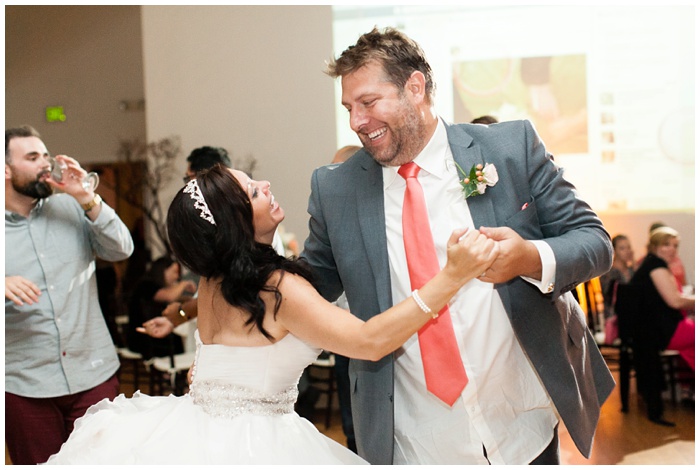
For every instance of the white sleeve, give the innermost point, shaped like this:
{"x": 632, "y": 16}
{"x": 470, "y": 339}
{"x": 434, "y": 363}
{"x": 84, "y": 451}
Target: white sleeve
{"x": 549, "y": 267}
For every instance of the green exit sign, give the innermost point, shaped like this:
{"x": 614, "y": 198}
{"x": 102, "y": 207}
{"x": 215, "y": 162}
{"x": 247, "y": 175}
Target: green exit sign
{"x": 55, "y": 113}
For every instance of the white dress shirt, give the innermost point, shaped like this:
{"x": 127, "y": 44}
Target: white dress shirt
{"x": 504, "y": 408}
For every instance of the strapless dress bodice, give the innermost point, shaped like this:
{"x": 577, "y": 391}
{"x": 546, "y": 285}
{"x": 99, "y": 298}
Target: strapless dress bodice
{"x": 232, "y": 380}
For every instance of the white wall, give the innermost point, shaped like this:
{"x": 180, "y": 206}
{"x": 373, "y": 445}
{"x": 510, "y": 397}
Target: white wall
{"x": 249, "y": 79}
{"x": 84, "y": 58}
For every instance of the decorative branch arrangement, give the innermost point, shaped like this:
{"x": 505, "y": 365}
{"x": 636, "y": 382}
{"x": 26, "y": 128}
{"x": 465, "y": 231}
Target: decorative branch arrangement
{"x": 143, "y": 189}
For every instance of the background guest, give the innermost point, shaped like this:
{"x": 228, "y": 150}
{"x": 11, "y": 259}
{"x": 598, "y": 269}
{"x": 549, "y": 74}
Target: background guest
{"x": 59, "y": 356}
{"x": 158, "y": 287}
{"x": 138, "y": 262}
{"x": 344, "y": 153}
{"x": 485, "y": 119}
{"x": 660, "y": 307}
{"x": 621, "y": 271}
{"x": 203, "y": 158}
{"x": 675, "y": 265}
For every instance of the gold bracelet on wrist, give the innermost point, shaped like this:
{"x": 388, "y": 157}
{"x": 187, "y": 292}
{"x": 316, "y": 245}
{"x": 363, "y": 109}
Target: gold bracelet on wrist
{"x": 95, "y": 201}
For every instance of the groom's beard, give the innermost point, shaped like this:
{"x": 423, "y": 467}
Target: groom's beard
{"x": 35, "y": 189}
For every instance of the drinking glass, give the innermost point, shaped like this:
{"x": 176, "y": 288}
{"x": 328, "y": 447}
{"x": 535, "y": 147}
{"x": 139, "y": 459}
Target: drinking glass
{"x": 90, "y": 181}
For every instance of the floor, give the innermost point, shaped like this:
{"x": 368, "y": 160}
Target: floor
{"x": 621, "y": 438}
{"x": 631, "y": 439}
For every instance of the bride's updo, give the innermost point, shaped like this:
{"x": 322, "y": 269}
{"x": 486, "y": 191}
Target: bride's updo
{"x": 211, "y": 232}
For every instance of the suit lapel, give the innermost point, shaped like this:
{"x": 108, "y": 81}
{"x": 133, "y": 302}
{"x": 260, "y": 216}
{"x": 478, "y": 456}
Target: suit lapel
{"x": 370, "y": 198}
{"x": 466, "y": 153}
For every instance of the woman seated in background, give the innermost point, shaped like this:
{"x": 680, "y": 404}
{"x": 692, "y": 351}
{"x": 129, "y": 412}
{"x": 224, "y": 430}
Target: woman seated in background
{"x": 620, "y": 273}
{"x": 675, "y": 265}
{"x": 260, "y": 324}
{"x": 160, "y": 286}
{"x": 661, "y": 304}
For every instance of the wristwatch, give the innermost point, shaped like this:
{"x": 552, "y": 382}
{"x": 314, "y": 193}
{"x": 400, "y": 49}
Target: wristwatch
{"x": 95, "y": 201}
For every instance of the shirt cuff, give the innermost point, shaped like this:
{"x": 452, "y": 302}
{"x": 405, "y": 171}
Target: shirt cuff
{"x": 549, "y": 267}
{"x": 106, "y": 215}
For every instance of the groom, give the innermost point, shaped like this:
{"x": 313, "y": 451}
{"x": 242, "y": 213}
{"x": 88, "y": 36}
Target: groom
{"x": 525, "y": 356}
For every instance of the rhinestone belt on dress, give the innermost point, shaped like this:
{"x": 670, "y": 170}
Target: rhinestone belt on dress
{"x": 229, "y": 401}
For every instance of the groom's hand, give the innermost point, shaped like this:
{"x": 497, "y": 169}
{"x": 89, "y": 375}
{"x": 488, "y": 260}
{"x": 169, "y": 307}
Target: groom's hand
{"x": 516, "y": 257}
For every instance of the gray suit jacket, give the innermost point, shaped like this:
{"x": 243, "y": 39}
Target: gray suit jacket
{"x": 347, "y": 250}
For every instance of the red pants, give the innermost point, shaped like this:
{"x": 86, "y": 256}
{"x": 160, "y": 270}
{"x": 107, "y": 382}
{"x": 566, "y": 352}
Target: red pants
{"x": 683, "y": 341}
{"x": 35, "y": 428}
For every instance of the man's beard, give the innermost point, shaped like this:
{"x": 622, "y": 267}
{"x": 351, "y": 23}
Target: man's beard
{"x": 35, "y": 189}
{"x": 408, "y": 139}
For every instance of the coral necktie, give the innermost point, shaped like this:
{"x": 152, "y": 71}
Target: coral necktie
{"x": 445, "y": 376}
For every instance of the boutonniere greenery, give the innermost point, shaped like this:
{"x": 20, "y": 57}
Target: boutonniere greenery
{"x": 478, "y": 178}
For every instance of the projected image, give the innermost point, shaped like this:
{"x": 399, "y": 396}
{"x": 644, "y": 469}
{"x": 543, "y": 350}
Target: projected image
{"x": 549, "y": 90}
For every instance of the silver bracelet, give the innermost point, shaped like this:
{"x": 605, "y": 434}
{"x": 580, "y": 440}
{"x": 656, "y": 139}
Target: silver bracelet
{"x": 422, "y": 305}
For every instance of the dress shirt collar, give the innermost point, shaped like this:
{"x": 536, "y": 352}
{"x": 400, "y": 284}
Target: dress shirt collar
{"x": 11, "y": 216}
{"x": 430, "y": 159}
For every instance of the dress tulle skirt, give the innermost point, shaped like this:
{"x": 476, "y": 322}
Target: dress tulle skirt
{"x": 173, "y": 430}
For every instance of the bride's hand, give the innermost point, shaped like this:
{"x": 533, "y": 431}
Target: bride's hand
{"x": 469, "y": 255}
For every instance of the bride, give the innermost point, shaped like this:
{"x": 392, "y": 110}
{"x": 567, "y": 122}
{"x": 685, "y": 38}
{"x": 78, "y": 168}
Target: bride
{"x": 260, "y": 324}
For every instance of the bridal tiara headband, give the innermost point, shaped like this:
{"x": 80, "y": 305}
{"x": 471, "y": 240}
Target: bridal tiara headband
{"x": 192, "y": 188}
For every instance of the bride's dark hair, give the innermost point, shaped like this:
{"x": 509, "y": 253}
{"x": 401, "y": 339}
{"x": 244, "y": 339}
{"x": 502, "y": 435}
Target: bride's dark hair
{"x": 227, "y": 250}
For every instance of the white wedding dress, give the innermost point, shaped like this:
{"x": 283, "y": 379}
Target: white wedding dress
{"x": 240, "y": 410}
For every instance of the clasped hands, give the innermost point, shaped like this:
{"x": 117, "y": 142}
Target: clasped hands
{"x": 499, "y": 254}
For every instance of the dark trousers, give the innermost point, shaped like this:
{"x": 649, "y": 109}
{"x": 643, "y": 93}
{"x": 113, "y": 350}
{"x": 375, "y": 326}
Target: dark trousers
{"x": 343, "y": 382}
{"x": 550, "y": 455}
{"x": 35, "y": 428}
{"x": 650, "y": 379}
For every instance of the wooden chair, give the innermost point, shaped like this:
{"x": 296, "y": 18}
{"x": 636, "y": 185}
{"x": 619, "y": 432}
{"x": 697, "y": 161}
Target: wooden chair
{"x": 590, "y": 297}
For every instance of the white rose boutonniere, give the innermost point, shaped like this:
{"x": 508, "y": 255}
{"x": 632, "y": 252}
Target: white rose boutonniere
{"x": 478, "y": 178}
